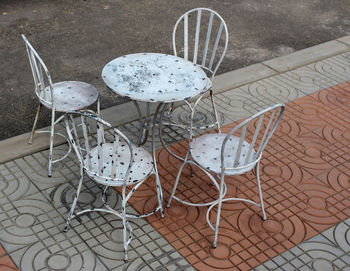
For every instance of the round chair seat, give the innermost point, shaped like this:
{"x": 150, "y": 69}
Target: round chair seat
{"x": 141, "y": 168}
{"x": 206, "y": 151}
{"x": 70, "y": 96}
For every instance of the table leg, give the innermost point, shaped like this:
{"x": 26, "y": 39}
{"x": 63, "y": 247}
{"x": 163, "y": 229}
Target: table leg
{"x": 145, "y": 123}
{"x": 161, "y": 133}
{"x": 155, "y": 168}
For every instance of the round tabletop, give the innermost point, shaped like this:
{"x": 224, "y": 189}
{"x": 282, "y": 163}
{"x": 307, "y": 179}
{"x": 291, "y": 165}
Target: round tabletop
{"x": 152, "y": 77}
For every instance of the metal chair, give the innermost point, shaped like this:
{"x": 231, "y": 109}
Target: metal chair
{"x": 205, "y": 45}
{"x": 234, "y": 153}
{"x": 63, "y": 97}
{"x": 111, "y": 161}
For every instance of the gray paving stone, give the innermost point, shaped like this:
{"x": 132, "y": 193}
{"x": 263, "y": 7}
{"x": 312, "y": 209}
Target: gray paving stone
{"x": 305, "y": 268}
{"x": 306, "y": 56}
{"x": 307, "y": 80}
{"x": 279, "y": 260}
{"x": 337, "y": 67}
{"x": 296, "y": 251}
{"x": 326, "y": 251}
{"x": 345, "y": 39}
{"x": 271, "y": 265}
{"x": 31, "y": 222}
{"x": 261, "y": 268}
{"x": 287, "y": 267}
{"x": 240, "y": 77}
{"x": 296, "y": 263}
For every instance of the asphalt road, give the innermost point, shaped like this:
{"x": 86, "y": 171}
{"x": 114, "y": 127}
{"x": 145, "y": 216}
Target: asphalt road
{"x": 76, "y": 38}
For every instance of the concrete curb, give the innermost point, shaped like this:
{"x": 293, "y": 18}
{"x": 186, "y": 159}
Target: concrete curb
{"x": 16, "y": 147}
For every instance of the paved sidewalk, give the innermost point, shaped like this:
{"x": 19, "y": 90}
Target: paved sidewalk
{"x": 309, "y": 153}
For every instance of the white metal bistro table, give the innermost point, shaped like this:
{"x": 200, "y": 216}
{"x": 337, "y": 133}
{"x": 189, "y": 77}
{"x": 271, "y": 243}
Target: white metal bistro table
{"x": 154, "y": 78}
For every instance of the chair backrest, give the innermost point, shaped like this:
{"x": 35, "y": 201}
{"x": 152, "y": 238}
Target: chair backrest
{"x": 256, "y": 131}
{"x": 85, "y": 138}
{"x": 204, "y": 38}
{"x": 41, "y": 75}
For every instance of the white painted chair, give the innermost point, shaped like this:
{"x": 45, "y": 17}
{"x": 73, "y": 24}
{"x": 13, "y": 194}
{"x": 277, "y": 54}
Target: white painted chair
{"x": 63, "y": 97}
{"x": 234, "y": 153}
{"x": 111, "y": 160}
{"x": 200, "y": 35}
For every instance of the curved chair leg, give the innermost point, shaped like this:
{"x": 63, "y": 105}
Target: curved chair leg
{"x": 51, "y": 141}
{"x": 259, "y": 189}
{"x": 215, "y": 111}
{"x": 71, "y": 212}
{"x": 176, "y": 183}
{"x": 218, "y": 212}
{"x": 34, "y": 124}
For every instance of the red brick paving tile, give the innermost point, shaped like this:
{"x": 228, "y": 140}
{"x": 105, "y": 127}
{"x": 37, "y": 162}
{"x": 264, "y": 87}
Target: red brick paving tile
{"x": 253, "y": 250}
{"x": 194, "y": 247}
{"x": 279, "y": 249}
{"x": 261, "y": 257}
{"x": 201, "y": 254}
{"x": 178, "y": 244}
{"x": 6, "y": 264}
{"x": 243, "y": 266}
{"x": 2, "y": 251}
{"x": 203, "y": 243}
{"x": 253, "y": 262}
{"x": 192, "y": 259}
{"x": 244, "y": 255}
{"x": 346, "y": 211}
{"x": 235, "y": 259}
{"x": 342, "y": 216}
{"x": 185, "y": 251}
{"x": 236, "y": 248}
{"x": 305, "y": 180}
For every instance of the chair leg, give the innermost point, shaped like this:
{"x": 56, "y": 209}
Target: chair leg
{"x": 215, "y": 111}
{"x": 71, "y": 212}
{"x": 98, "y": 107}
{"x": 52, "y": 133}
{"x": 259, "y": 189}
{"x": 34, "y": 124}
{"x": 159, "y": 195}
{"x": 176, "y": 183}
{"x": 221, "y": 192}
{"x": 125, "y": 239}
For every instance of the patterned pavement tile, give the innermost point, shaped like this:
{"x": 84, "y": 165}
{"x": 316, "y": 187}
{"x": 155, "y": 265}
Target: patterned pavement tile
{"x": 272, "y": 90}
{"x": 305, "y": 180}
{"x": 33, "y": 214}
{"x": 302, "y": 196}
{"x": 336, "y": 67}
{"x": 326, "y": 251}
{"x": 307, "y": 80}
{"x": 241, "y": 102}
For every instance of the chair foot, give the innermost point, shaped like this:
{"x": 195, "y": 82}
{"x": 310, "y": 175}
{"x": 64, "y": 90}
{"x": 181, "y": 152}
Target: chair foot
{"x": 162, "y": 213}
{"x": 214, "y": 246}
{"x": 65, "y": 228}
{"x": 49, "y": 171}
{"x": 192, "y": 173}
{"x": 49, "y": 175}
{"x": 125, "y": 256}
